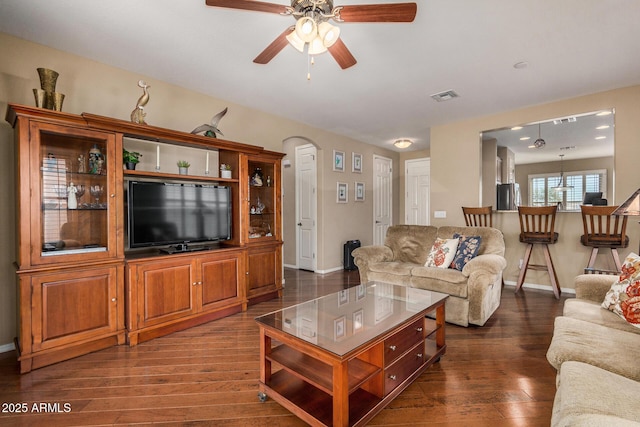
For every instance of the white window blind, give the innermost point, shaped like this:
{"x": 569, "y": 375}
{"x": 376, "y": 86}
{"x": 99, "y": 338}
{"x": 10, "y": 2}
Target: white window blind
{"x": 542, "y": 191}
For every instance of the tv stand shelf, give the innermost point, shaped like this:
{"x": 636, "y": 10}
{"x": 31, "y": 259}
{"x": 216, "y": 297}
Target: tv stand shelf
{"x": 175, "y": 176}
{"x": 132, "y": 295}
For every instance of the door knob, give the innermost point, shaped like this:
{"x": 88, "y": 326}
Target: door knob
{"x": 299, "y": 224}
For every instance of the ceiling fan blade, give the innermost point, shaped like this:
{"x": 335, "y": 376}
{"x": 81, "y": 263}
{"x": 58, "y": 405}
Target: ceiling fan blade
{"x": 342, "y": 55}
{"x": 274, "y": 48}
{"x": 257, "y": 6}
{"x": 389, "y": 12}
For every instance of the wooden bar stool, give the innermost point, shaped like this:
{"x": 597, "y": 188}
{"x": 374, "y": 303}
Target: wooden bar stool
{"x": 536, "y": 228}
{"x": 603, "y": 230}
{"x": 478, "y": 217}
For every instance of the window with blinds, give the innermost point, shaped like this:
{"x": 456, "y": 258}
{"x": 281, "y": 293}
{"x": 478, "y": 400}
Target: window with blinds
{"x": 546, "y": 189}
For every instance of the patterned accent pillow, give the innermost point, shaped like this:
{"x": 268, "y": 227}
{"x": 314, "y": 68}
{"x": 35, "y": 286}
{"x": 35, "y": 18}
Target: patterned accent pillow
{"x": 442, "y": 253}
{"x": 624, "y": 296}
{"x": 467, "y": 250}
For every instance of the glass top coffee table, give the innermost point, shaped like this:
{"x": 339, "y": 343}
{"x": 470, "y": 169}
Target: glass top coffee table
{"x": 339, "y": 359}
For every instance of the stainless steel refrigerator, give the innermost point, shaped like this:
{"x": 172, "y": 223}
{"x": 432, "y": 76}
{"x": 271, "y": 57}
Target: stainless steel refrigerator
{"x": 508, "y": 197}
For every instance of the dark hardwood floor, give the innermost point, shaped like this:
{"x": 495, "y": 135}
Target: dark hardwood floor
{"x": 496, "y": 375}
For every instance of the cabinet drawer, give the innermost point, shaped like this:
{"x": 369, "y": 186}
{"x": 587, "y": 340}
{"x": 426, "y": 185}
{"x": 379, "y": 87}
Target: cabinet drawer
{"x": 396, "y": 345}
{"x": 403, "y": 368}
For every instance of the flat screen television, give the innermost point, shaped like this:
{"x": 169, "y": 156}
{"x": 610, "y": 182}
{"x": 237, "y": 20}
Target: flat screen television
{"x": 162, "y": 214}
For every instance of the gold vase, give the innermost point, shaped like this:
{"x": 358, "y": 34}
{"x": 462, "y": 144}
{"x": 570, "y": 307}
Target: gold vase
{"x": 48, "y": 79}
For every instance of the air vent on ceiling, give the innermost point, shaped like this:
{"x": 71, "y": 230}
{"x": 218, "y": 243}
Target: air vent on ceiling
{"x": 565, "y": 120}
{"x": 444, "y": 96}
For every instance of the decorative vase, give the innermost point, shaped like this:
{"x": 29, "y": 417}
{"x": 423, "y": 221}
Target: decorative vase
{"x": 183, "y": 171}
{"x": 225, "y": 174}
{"x": 48, "y": 79}
{"x": 96, "y": 160}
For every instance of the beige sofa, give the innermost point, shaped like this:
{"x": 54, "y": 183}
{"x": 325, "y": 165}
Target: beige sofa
{"x": 596, "y": 354}
{"x": 474, "y": 292}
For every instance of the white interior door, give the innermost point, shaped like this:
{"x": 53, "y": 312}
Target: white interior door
{"x": 418, "y": 187}
{"x": 382, "y": 198}
{"x": 306, "y": 206}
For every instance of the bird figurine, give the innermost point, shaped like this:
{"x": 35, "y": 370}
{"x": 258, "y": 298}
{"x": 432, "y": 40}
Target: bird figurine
{"x": 138, "y": 114}
{"x": 212, "y": 129}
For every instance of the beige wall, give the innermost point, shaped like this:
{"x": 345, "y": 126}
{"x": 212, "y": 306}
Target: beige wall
{"x": 337, "y": 222}
{"x": 96, "y": 88}
{"x": 450, "y": 190}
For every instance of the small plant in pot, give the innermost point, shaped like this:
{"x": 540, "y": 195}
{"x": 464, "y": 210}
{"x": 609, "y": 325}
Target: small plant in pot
{"x": 183, "y": 167}
{"x": 130, "y": 158}
{"x": 225, "y": 170}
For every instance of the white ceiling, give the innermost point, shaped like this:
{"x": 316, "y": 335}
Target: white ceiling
{"x": 573, "y": 48}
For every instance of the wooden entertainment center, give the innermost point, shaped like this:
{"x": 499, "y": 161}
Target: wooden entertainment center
{"x": 80, "y": 288}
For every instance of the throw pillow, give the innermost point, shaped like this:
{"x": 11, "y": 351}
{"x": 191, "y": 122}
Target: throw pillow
{"x": 630, "y": 267}
{"x": 442, "y": 253}
{"x": 623, "y": 298}
{"x": 467, "y": 250}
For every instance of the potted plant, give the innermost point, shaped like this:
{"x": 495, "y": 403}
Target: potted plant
{"x": 225, "y": 170}
{"x": 183, "y": 167}
{"x": 130, "y": 158}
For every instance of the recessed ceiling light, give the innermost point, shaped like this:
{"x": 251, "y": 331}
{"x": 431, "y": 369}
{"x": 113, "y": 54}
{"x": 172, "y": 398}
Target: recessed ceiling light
{"x": 524, "y": 138}
{"x": 516, "y": 128}
{"x": 601, "y": 137}
{"x": 602, "y": 127}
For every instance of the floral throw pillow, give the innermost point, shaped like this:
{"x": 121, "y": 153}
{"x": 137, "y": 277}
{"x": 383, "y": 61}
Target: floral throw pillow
{"x": 624, "y": 296}
{"x": 442, "y": 253}
{"x": 467, "y": 250}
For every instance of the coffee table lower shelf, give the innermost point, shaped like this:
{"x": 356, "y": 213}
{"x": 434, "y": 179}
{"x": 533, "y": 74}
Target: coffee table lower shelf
{"x": 313, "y": 405}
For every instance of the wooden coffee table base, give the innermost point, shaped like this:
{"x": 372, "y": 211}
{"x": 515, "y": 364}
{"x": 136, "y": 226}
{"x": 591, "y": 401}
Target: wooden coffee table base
{"x": 324, "y": 389}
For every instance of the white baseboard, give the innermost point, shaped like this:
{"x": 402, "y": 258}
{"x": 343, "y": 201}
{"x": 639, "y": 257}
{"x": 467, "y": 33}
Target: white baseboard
{"x": 541, "y": 287}
{"x": 7, "y": 347}
{"x": 330, "y": 270}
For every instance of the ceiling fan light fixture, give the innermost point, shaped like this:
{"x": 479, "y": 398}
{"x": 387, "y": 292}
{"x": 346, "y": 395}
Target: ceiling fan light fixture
{"x": 316, "y": 47}
{"x": 328, "y": 33}
{"x": 295, "y": 41}
{"x": 402, "y": 143}
{"x": 306, "y": 29}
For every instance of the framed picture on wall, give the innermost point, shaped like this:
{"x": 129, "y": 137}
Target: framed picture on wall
{"x": 359, "y": 190}
{"x": 338, "y": 161}
{"x": 341, "y": 192}
{"x": 356, "y": 163}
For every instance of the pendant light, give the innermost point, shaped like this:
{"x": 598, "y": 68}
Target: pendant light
{"x": 561, "y": 186}
{"x": 539, "y": 143}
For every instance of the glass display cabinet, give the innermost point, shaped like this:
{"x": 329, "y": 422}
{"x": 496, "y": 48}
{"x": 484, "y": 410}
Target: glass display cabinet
{"x": 75, "y": 193}
{"x": 264, "y": 230}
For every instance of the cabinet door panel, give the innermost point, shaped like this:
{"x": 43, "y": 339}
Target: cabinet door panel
{"x": 68, "y": 307}
{"x": 219, "y": 280}
{"x": 262, "y": 269}
{"x": 167, "y": 294}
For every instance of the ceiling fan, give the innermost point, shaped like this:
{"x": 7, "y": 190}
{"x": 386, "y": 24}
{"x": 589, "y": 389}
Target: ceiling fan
{"x": 312, "y": 28}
